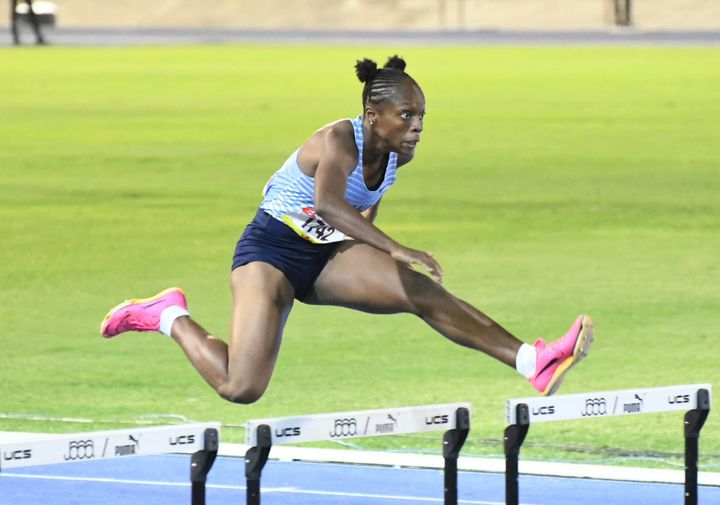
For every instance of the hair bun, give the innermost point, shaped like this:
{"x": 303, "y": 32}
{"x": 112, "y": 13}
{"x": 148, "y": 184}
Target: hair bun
{"x": 366, "y": 70}
{"x": 395, "y": 62}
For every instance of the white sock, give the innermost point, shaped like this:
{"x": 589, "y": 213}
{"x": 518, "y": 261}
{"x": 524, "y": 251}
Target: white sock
{"x": 168, "y": 317}
{"x": 526, "y": 360}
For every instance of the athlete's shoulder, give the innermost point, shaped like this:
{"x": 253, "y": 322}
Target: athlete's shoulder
{"x": 339, "y": 143}
{"x": 334, "y": 143}
{"x": 340, "y": 133}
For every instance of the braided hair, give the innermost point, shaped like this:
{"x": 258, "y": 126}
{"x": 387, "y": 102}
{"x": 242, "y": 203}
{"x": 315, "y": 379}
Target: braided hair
{"x": 381, "y": 84}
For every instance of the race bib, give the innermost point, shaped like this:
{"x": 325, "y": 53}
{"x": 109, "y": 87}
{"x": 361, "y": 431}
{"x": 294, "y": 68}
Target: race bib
{"x": 311, "y": 227}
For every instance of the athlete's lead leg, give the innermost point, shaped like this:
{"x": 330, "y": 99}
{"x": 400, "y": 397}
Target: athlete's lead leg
{"x": 364, "y": 278}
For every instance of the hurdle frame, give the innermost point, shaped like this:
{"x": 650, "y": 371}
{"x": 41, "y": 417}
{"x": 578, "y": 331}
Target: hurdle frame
{"x": 201, "y": 462}
{"x": 261, "y": 433}
{"x": 200, "y": 439}
{"x": 520, "y": 413}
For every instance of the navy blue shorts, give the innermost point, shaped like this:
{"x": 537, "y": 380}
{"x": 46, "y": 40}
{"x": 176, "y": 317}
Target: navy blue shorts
{"x": 268, "y": 240}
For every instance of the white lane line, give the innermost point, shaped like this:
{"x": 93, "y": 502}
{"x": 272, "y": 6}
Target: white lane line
{"x": 288, "y": 490}
{"x": 96, "y": 479}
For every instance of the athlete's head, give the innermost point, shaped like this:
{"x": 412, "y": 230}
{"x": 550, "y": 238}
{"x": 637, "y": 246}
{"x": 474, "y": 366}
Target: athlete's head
{"x": 393, "y": 103}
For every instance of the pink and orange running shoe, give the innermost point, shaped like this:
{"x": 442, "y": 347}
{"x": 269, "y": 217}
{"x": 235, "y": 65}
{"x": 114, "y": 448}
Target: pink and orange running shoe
{"x": 555, "y": 359}
{"x": 141, "y": 314}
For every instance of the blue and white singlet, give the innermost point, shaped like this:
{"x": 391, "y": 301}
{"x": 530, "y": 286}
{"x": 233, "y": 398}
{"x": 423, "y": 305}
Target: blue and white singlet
{"x": 289, "y": 195}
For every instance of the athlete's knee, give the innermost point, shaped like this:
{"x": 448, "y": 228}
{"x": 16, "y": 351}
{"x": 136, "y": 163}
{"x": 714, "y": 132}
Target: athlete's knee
{"x": 424, "y": 294}
{"x": 243, "y": 394}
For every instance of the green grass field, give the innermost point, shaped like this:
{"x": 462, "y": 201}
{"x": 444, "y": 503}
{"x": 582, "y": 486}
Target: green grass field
{"x": 550, "y": 182}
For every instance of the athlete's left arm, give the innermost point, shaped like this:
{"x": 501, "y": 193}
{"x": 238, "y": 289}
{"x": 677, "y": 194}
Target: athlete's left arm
{"x": 371, "y": 213}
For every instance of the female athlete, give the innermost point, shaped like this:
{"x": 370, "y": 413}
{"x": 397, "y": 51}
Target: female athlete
{"x": 313, "y": 239}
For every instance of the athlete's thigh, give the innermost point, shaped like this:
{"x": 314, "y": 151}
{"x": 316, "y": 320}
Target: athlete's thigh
{"x": 362, "y": 277}
{"x": 262, "y": 299}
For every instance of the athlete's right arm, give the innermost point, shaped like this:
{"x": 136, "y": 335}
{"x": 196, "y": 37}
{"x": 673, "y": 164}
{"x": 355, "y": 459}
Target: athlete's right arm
{"x": 337, "y": 159}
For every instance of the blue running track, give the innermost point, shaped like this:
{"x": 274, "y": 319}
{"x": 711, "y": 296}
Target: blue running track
{"x": 165, "y": 480}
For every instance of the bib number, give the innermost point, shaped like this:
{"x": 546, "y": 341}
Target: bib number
{"x": 311, "y": 227}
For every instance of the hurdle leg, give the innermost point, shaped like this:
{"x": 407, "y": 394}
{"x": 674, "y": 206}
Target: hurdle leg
{"x": 255, "y": 459}
{"x": 453, "y": 441}
{"x": 201, "y": 463}
{"x": 694, "y": 421}
{"x": 513, "y": 440}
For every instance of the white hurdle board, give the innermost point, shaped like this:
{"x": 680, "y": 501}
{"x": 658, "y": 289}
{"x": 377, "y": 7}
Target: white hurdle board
{"x": 362, "y": 423}
{"x": 607, "y": 403}
{"x": 104, "y": 445}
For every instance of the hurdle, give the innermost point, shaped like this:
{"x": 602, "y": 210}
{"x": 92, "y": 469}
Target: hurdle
{"x": 521, "y": 412}
{"x": 202, "y": 439}
{"x": 262, "y": 434}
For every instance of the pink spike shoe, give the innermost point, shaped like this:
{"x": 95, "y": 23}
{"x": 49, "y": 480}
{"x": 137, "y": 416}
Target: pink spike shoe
{"x": 141, "y": 314}
{"x": 555, "y": 359}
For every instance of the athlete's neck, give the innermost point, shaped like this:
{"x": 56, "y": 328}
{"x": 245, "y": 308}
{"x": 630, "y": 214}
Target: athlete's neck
{"x": 375, "y": 149}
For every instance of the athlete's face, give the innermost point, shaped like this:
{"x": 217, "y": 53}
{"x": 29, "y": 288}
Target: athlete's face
{"x": 399, "y": 122}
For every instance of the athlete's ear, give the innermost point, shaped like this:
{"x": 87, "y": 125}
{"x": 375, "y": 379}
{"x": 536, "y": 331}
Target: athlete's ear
{"x": 371, "y": 114}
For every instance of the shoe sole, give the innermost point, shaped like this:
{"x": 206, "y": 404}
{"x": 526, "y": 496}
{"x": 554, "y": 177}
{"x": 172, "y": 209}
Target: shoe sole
{"x": 126, "y": 303}
{"x": 582, "y": 347}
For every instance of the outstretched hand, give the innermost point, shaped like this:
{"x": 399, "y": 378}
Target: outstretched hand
{"x": 425, "y": 260}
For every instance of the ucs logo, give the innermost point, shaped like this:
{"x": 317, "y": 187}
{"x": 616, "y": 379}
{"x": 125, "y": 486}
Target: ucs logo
{"x": 678, "y": 399}
{"x": 80, "y": 449}
{"x": 545, "y": 410}
{"x": 16, "y": 455}
{"x": 443, "y": 419}
{"x": 288, "y": 432}
{"x": 182, "y": 440}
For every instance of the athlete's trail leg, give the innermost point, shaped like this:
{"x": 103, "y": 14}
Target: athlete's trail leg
{"x": 240, "y": 370}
